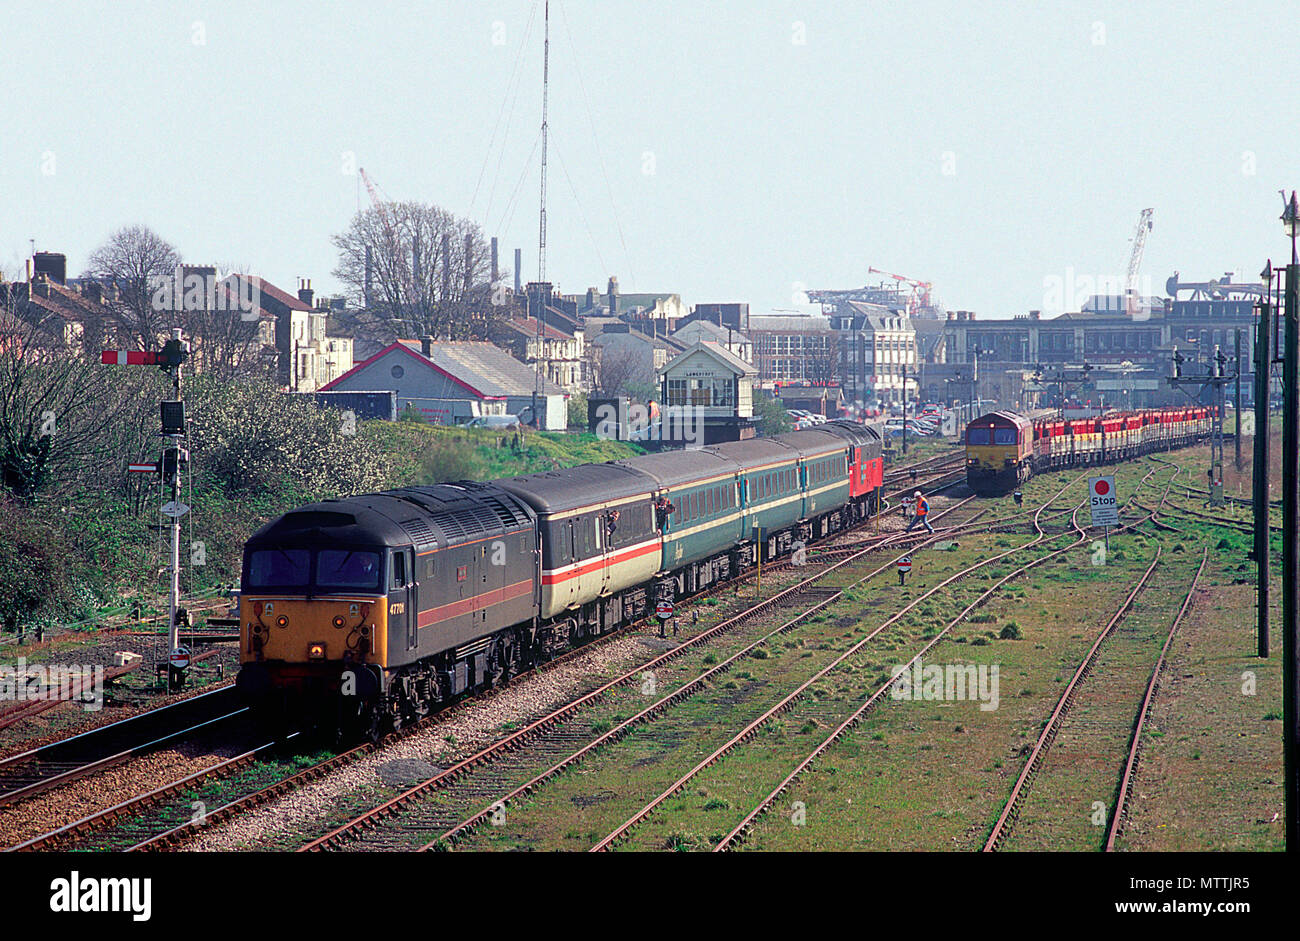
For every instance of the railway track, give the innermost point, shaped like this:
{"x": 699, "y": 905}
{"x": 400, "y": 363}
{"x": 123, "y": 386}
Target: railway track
{"x": 1120, "y": 812}
{"x": 823, "y": 712}
{"x": 551, "y": 744}
{"x": 155, "y": 820}
{"x": 458, "y": 814}
{"x": 819, "y": 712}
{"x": 1007, "y": 819}
{"x": 31, "y": 772}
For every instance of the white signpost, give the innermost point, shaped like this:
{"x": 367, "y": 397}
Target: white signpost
{"x": 1104, "y": 503}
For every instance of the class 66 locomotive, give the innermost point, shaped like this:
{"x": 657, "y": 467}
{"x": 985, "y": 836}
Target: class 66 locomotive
{"x": 362, "y": 615}
{"x": 1003, "y": 448}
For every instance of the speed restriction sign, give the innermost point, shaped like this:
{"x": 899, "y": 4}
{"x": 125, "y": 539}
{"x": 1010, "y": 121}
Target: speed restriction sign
{"x": 1102, "y": 501}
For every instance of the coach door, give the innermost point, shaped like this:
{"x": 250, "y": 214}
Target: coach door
{"x": 403, "y": 618}
{"x": 601, "y": 524}
{"x": 568, "y": 590}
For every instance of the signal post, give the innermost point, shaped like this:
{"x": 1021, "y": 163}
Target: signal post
{"x": 170, "y": 360}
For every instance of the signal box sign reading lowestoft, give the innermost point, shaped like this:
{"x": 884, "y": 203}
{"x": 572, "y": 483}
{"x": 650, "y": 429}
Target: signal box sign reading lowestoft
{"x": 1102, "y": 501}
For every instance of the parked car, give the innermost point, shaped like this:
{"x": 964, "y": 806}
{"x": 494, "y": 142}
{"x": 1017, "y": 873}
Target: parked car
{"x": 495, "y": 422}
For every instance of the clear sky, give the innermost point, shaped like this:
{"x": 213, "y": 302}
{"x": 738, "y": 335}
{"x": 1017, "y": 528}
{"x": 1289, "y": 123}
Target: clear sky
{"x": 727, "y": 151}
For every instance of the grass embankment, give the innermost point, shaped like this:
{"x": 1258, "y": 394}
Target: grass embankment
{"x": 101, "y": 543}
{"x": 425, "y": 454}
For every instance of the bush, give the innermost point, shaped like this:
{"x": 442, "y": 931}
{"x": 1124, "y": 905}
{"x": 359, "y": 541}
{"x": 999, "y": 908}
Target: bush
{"x": 445, "y": 459}
{"x": 1011, "y": 631}
{"x": 248, "y": 438}
{"x": 578, "y": 410}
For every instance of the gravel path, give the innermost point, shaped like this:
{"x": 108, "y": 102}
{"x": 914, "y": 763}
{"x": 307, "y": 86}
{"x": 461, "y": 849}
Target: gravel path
{"x": 67, "y": 804}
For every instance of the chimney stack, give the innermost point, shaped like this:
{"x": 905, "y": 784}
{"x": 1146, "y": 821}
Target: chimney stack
{"x": 613, "y": 296}
{"x": 54, "y": 265}
{"x": 1035, "y": 314}
{"x": 469, "y": 264}
{"x": 496, "y": 270}
{"x": 305, "y": 293}
{"x": 446, "y": 264}
{"x": 426, "y": 346}
{"x": 519, "y": 263}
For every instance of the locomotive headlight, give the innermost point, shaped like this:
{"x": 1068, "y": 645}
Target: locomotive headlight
{"x": 339, "y": 622}
{"x": 282, "y": 621}
{"x": 315, "y": 651}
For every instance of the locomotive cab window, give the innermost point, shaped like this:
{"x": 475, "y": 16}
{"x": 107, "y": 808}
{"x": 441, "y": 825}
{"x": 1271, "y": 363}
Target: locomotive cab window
{"x": 346, "y": 568}
{"x": 399, "y": 570}
{"x": 287, "y": 568}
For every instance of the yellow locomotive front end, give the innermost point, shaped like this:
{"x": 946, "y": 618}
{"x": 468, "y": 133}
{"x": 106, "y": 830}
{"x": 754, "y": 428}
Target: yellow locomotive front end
{"x": 308, "y": 641}
{"x": 313, "y": 627}
{"x": 999, "y": 448}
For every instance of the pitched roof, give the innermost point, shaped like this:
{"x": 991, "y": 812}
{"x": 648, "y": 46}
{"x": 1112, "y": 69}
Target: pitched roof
{"x": 718, "y": 352}
{"x": 789, "y": 323}
{"x": 710, "y": 331}
{"x": 482, "y": 368}
{"x": 528, "y": 327}
{"x": 62, "y": 301}
{"x": 270, "y": 290}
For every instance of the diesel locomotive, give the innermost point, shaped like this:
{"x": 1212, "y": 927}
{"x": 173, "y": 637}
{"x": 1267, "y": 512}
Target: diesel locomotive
{"x": 1003, "y": 448}
{"x": 366, "y": 613}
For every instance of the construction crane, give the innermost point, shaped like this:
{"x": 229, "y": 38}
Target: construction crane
{"x": 394, "y": 243}
{"x": 1135, "y": 260}
{"x": 920, "y": 296}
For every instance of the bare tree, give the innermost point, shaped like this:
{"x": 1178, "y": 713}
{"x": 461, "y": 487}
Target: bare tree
{"x": 131, "y": 263}
{"x": 223, "y": 324}
{"x": 617, "y": 367}
{"x": 821, "y": 358}
{"x": 65, "y": 421}
{"x": 421, "y": 271}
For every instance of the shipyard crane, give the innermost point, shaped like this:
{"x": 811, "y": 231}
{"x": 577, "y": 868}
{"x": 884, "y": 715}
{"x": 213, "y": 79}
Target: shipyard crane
{"x": 1135, "y": 260}
{"x": 920, "y": 296}
{"x": 394, "y": 243}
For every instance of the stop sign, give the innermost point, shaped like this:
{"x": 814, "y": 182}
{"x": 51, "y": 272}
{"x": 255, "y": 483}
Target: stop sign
{"x": 905, "y": 564}
{"x": 664, "y": 609}
{"x": 180, "y": 658}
